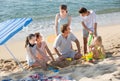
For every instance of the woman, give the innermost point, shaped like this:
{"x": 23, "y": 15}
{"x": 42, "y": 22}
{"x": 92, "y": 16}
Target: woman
{"x": 32, "y": 49}
{"x": 43, "y": 48}
{"x": 62, "y": 18}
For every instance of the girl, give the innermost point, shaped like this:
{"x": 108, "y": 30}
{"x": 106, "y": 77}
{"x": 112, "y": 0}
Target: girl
{"x": 62, "y": 18}
{"x": 31, "y": 48}
{"x": 43, "y": 48}
{"x": 97, "y": 48}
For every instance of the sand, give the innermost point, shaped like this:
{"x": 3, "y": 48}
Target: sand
{"x": 105, "y": 70}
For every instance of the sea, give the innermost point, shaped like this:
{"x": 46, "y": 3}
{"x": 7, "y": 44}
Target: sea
{"x": 43, "y": 13}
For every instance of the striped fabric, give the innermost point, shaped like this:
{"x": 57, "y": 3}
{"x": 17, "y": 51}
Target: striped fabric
{"x": 10, "y": 27}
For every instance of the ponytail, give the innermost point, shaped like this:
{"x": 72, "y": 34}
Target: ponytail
{"x": 28, "y": 38}
{"x": 26, "y": 42}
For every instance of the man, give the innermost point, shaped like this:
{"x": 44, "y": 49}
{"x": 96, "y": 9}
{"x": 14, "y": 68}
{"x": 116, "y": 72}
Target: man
{"x": 89, "y": 25}
{"x": 63, "y": 45}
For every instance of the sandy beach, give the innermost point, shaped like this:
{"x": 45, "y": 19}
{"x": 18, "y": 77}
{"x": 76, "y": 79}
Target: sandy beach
{"x": 106, "y": 70}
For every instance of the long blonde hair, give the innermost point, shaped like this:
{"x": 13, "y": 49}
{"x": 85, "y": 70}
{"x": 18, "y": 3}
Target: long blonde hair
{"x": 99, "y": 39}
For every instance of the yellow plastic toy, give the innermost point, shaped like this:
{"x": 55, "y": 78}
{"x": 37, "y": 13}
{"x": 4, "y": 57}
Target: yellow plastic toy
{"x": 88, "y": 56}
{"x": 69, "y": 59}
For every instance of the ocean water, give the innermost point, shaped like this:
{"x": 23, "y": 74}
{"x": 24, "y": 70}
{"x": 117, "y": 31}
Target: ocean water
{"x": 43, "y": 13}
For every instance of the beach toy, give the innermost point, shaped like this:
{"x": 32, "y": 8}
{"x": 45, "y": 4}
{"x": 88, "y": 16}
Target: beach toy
{"x": 90, "y": 39}
{"x": 83, "y": 57}
{"x": 51, "y": 38}
{"x": 89, "y": 56}
{"x": 69, "y": 59}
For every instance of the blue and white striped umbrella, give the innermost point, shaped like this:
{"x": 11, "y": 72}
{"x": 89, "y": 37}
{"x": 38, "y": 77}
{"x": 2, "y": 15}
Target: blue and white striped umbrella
{"x": 10, "y": 27}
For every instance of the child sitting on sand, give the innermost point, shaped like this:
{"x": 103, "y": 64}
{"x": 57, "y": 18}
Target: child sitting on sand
{"x": 43, "y": 48}
{"x": 32, "y": 49}
{"x": 97, "y": 48}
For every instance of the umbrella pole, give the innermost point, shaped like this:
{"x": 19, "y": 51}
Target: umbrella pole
{"x": 20, "y": 65}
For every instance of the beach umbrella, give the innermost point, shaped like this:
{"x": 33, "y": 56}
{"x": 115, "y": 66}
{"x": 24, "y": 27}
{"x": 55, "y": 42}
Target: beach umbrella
{"x": 9, "y": 28}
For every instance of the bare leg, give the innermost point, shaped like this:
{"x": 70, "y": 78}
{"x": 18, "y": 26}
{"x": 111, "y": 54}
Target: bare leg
{"x": 85, "y": 45}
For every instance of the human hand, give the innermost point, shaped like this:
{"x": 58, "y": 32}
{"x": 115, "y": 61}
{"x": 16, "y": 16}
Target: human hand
{"x": 35, "y": 58}
{"x": 61, "y": 58}
{"x": 90, "y": 32}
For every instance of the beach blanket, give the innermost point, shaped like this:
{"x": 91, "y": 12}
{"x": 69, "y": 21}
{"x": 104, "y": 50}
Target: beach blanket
{"x": 42, "y": 77}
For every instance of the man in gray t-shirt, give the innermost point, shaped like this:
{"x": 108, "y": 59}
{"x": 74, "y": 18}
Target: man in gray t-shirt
{"x": 63, "y": 44}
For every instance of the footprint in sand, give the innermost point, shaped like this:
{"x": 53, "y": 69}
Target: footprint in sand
{"x": 117, "y": 75}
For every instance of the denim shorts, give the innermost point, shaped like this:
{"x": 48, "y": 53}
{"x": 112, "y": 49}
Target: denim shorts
{"x": 85, "y": 33}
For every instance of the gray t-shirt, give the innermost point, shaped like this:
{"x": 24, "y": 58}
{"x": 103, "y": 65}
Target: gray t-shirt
{"x": 64, "y": 44}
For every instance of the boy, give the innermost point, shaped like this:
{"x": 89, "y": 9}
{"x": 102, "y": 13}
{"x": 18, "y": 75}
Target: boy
{"x": 89, "y": 25}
